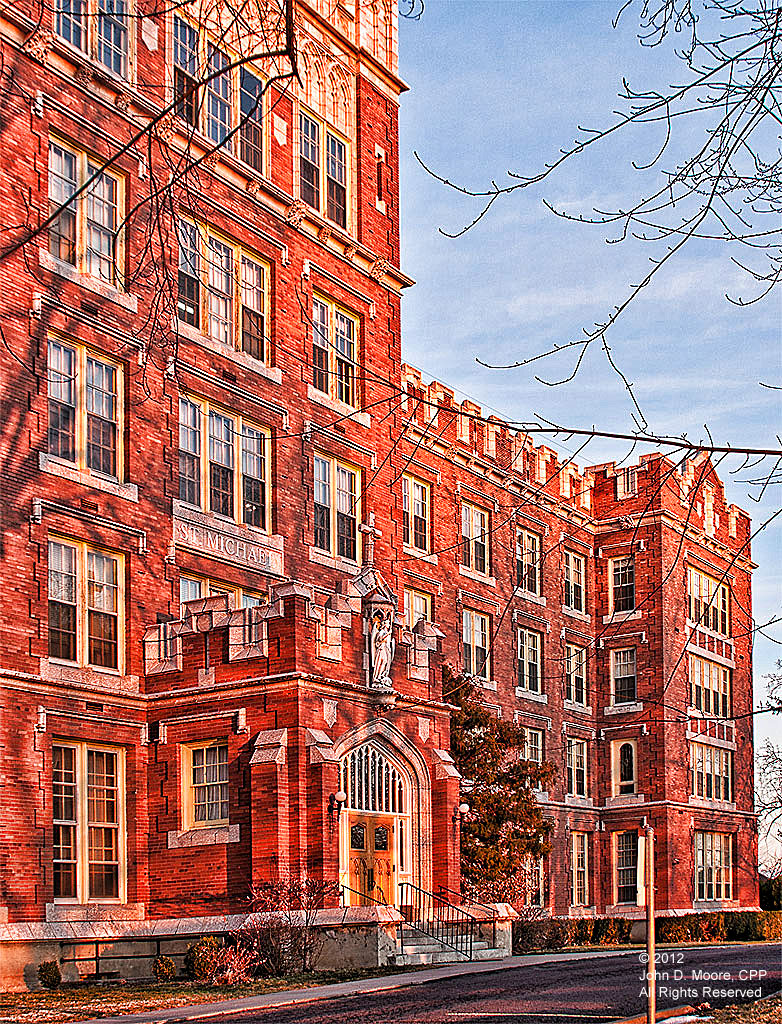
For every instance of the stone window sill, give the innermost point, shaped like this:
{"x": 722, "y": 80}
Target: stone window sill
{"x": 485, "y": 684}
{"x": 93, "y": 284}
{"x": 333, "y": 561}
{"x": 579, "y": 709}
{"x": 271, "y": 373}
{"x": 110, "y": 910}
{"x": 216, "y": 835}
{"x": 625, "y": 799}
{"x": 711, "y": 805}
{"x": 623, "y": 616}
{"x": 67, "y": 471}
{"x": 527, "y": 595}
{"x": 540, "y": 698}
{"x": 416, "y": 553}
{"x": 479, "y": 577}
{"x": 582, "y": 912}
{"x": 578, "y": 801}
{"x": 348, "y": 412}
{"x": 623, "y": 709}
{"x": 581, "y": 616}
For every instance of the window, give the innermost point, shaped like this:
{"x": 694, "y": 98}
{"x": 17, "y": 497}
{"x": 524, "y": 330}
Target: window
{"x": 97, "y": 27}
{"x": 627, "y": 867}
{"x": 623, "y": 676}
{"x": 85, "y": 605}
{"x": 323, "y": 156}
{"x": 529, "y": 647}
{"x": 85, "y": 234}
{"x": 475, "y": 539}
{"x": 415, "y": 513}
{"x": 579, "y": 878}
{"x": 337, "y": 507}
{"x": 418, "y": 605}
{"x": 622, "y": 585}
{"x": 624, "y": 774}
{"x": 574, "y": 581}
{"x": 334, "y": 351}
{"x": 710, "y": 689}
{"x": 191, "y": 588}
{"x": 475, "y": 638}
{"x": 533, "y": 745}
{"x": 575, "y": 674}
{"x": 223, "y": 291}
{"x": 88, "y": 810}
{"x": 223, "y": 464}
{"x": 708, "y": 602}
{"x": 532, "y": 881}
{"x": 576, "y": 767}
{"x": 205, "y": 785}
{"x": 228, "y": 108}
{"x": 711, "y": 772}
{"x": 85, "y": 422}
{"x": 713, "y": 866}
{"x": 626, "y": 483}
{"x": 528, "y": 548}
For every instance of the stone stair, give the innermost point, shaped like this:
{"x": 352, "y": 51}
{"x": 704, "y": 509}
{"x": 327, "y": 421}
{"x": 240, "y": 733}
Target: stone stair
{"x": 416, "y": 946}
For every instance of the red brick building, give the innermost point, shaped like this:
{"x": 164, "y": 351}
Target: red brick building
{"x": 241, "y": 537}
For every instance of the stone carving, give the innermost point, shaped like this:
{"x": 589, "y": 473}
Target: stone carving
{"x": 324, "y": 234}
{"x": 296, "y": 213}
{"x": 423, "y": 729}
{"x": 369, "y": 532}
{"x": 166, "y": 127}
{"x": 382, "y": 646}
{"x": 37, "y": 45}
{"x": 122, "y": 102}
{"x": 83, "y": 75}
{"x": 211, "y": 160}
{"x": 378, "y": 269}
{"x": 329, "y": 712}
{"x": 253, "y": 186}
{"x": 350, "y": 252}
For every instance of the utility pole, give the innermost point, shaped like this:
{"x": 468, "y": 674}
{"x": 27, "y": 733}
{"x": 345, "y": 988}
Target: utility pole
{"x": 651, "y": 987}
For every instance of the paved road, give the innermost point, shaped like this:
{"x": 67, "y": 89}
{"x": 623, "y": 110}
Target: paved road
{"x": 577, "y": 992}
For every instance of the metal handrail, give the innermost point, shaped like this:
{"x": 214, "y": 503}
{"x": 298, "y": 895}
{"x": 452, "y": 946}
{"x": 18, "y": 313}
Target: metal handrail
{"x": 490, "y": 910}
{"x": 364, "y": 896}
{"x": 434, "y": 916}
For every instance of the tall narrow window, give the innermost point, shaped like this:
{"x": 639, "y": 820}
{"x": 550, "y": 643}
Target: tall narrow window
{"x": 62, "y": 185}
{"x": 529, "y": 646}
{"x": 189, "y": 452}
{"x": 101, "y": 215}
{"x": 415, "y": 513}
{"x": 70, "y": 22}
{"x": 624, "y": 675}
{"x": 475, "y": 641}
{"x": 186, "y": 92}
{"x": 346, "y": 513}
{"x": 334, "y": 351}
{"x": 576, "y": 767}
{"x": 626, "y": 769}
{"x": 88, "y": 817}
{"x": 575, "y": 674}
{"x": 336, "y": 179}
{"x": 112, "y": 35}
{"x": 62, "y": 401}
{"x": 322, "y": 501}
{"x": 623, "y": 585}
{"x": 579, "y": 878}
{"x": 309, "y": 160}
{"x": 218, "y": 97}
{"x": 102, "y": 609}
{"x": 345, "y": 355}
{"x": 62, "y": 601}
{"x": 320, "y": 345}
{"x": 713, "y": 866}
{"x": 627, "y": 867}
{"x": 221, "y": 464}
{"x": 101, "y": 417}
{"x": 528, "y": 548}
{"x": 208, "y": 786}
{"x": 574, "y": 581}
{"x": 253, "y": 477}
{"x": 253, "y": 318}
{"x": 250, "y": 111}
{"x": 475, "y": 538}
{"x": 221, "y": 278}
{"x": 189, "y": 284}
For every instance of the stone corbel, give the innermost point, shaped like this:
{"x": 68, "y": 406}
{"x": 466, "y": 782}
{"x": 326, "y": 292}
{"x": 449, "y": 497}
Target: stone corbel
{"x": 270, "y": 747}
{"x": 421, "y": 641}
{"x": 320, "y": 747}
{"x": 444, "y": 767}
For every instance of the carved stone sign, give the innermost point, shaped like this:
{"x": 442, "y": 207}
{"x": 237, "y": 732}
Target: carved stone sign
{"x": 226, "y": 541}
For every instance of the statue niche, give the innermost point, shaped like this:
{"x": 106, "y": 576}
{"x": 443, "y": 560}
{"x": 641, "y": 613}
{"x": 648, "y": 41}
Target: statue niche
{"x": 381, "y": 648}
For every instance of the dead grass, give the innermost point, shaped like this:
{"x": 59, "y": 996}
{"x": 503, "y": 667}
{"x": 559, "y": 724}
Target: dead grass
{"x": 766, "y": 1011}
{"x": 113, "y": 999}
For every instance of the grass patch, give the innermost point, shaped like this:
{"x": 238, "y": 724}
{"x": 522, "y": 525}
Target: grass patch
{"x": 113, "y": 998}
{"x": 765, "y": 1011}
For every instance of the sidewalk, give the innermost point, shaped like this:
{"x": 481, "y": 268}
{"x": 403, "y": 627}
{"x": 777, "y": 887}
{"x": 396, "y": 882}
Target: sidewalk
{"x": 366, "y": 986}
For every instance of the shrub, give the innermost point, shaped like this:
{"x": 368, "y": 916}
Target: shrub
{"x": 736, "y": 926}
{"x": 771, "y": 893}
{"x": 201, "y": 958}
{"x": 164, "y": 968}
{"x": 233, "y": 965}
{"x": 49, "y": 974}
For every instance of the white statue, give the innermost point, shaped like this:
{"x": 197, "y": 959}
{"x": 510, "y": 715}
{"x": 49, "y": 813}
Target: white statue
{"x": 382, "y": 647}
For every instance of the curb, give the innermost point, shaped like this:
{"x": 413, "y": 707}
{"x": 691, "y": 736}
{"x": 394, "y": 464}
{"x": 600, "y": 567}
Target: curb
{"x": 640, "y": 1018}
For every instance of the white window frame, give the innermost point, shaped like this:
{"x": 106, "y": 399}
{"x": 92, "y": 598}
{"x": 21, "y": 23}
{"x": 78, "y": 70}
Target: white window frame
{"x": 338, "y": 470}
{"x": 713, "y": 861}
{"x": 81, "y": 602}
{"x": 529, "y": 659}
{"x": 81, "y": 824}
{"x": 476, "y": 531}
{"x": 711, "y": 772}
{"x": 326, "y": 134}
{"x": 616, "y": 657}
{"x": 616, "y": 567}
{"x": 529, "y": 546}
{"x": 711, "y": 687}
{"x": 90, "y": 43}
{"x": 533, "y": 745}
{"x": 238, "y": 597}
{"x": 708, "y": 602}
{"x": 86, "y": 226}
{"x": 417, "y": 606}
{"x": 579, "y": 869}
{"x": 577, "y": 751}
{"x": 620, "y": 786}
{"x": 575, "y": 669}
{"x": 246, "y": 436}
{"x": 416, "y": 505}
{"x": 332, "y": 365}
{"x": 616, "y": 844}
{"x": 476, "y": 625}
{"x": 574, "y": 595}
{"x": 189, "y": 786}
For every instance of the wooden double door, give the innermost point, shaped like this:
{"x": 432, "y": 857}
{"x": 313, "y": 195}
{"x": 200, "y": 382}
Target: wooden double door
{"x": 372, "y": 841}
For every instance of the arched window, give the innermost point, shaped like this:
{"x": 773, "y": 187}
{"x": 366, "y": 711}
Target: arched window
{"x": 373, "y": 782}
{"x": 627, "y": 768}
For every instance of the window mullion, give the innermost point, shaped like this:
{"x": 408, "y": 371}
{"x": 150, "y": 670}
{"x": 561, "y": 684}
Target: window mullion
{"x": 239, "y": 481}
{"x": 82, "y": 829}
{"x": 206, "y": 497}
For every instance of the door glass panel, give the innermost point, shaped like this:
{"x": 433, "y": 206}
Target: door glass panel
{"x": 381, "y": 838}
{"x": 358, "y": 838}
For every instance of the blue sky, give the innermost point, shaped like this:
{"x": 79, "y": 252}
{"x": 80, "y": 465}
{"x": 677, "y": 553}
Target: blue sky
{"x": 498, "y": 86}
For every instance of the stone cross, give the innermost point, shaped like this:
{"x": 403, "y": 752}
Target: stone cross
{"x": 370, "y": 533}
